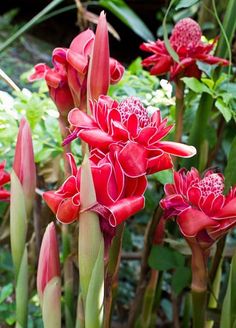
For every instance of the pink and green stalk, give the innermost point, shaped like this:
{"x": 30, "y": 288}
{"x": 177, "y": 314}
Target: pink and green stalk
{"x": 23, "y": 181}
{"x": 48, "y": 279}
{"x": 91, "y": 252}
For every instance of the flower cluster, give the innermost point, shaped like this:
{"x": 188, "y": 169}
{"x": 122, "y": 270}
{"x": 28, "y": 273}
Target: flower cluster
{"x": 136, "y": 135}
{"x": 67, "y": 80}
{"x": 126, "y": 144}
{"x": 201, "y": 208}
{"x": 4, "y": 178}
{"x": 186, "y": 42}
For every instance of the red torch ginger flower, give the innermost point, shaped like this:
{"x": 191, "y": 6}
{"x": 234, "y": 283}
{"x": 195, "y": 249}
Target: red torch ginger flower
{"x": 128, "y": 127}
{"x": 118, "y": 196}
{"x": 69, "y": 80}
{"x": 4, "y": 178}
{"x": 186, "y": 41}
{"x": 201, "y": 208}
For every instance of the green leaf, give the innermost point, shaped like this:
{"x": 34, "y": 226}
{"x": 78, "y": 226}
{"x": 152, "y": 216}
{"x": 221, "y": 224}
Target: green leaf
{"x": 28, "y": 25}
{"x": 122, "y": 11}
{"x": 164, "y": 258}
{"x": 195, "y": 85}
{"x": 5, "y": 292}
{"x": 230, "y": 171}
{"x": 228, "y": 313}
{"x": 171, "y": 51}
{"x": 224, "y": 109}
{"x": 181, "y": 279}
{"x": 165, "y": 176}
{"x": 185, "y": 4}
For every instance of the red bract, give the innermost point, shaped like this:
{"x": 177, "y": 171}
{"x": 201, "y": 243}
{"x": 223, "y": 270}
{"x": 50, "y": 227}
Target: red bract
{"x": 186, "y": 41}
{"x": 118, "y": 196}
{"x": 67, "y": 81}
{"x": 4, "y": 178}
{"x": 201, "y": 209}
{"x": 48, "y": 265}
{"x": 57, "y": 83}
{"x": 136, "y": 136}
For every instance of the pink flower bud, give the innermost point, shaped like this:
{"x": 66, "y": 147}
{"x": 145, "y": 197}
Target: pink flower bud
{"x": 24, "y": 165}
{"x": 48, "y": 265}
{"x": 99, "y": 72}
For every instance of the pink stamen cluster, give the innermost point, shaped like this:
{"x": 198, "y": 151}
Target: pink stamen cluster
{"x": 213, "y": 183}
{"x": 186, "y": 32}
{"x": 133, "y": 105}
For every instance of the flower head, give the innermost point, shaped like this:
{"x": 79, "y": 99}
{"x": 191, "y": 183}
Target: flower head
{"x": 201, "y": 208}
{"x": 128, "y": 127}
{"x": 72, "y": 77}
{"x": 4, "y": 178}
{"x": 186, "y": 41}
{"x": 118, "y": 196}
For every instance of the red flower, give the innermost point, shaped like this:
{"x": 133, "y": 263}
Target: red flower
{"x": 4, "y": 178}
{"x": 118, "y": 196}
{"x": 57, "y": 83}
{"x": 201, "y": 209}
{"x": 136, "y": 136}
{"x": 186, "y": 41}
{"x": 67, "y": 81}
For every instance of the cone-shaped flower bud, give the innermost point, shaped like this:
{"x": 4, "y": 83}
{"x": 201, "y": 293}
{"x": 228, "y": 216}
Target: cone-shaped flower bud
{"x": 48, "y": 279}
{"x": 49, "y": 265}
{"x": 99, "y": 71}
{"x": 24, "y": 165}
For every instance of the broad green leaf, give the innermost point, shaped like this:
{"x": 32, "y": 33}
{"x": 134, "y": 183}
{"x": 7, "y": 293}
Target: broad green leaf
{"x": 5, "y": 292}
{"x": 206, "y": 68}
{"x": 210, "y": 83}
{"x": 121, "y": 10}
{"x": 230, "y": 170}
{"x": 165, "y": 258}
{"x": 185, "y": 4}
{"x": 165, "y": 176}
{"x": 181, "y": 279}
{"x": 224, "y": 109}
{"x": 228, "y": 313}
{"x": 195, "y": 85}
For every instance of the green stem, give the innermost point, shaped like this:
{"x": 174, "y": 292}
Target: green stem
{"x": 199, "y": 283}
{"x": 145, "y": 268}
{"x": 179, "y": 110}
{"x": 111, "y": 277}
{"x": 22, "y": 292}
{"x": 199, "y": 305}
{"x": 148, "y": 301}
{"x": 197, "y": 136}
